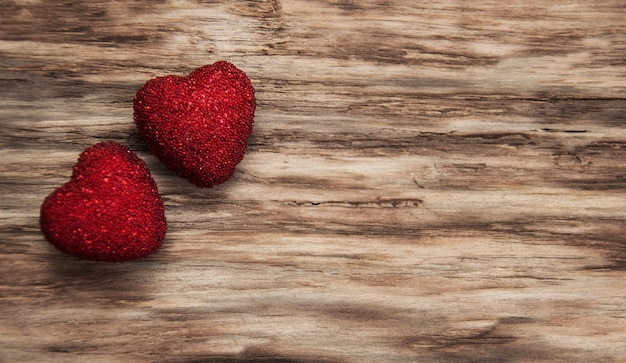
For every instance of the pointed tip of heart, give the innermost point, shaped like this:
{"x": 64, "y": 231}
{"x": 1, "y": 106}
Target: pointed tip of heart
{"x": 109, "y": 210}
{"x": 198, "y": 125}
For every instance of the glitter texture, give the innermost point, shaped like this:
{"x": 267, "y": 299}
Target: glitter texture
{"x": 198, "y": 125}
{"x": 110, "y": 210}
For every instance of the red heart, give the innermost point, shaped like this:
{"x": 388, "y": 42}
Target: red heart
{"x": 198, "y": 125}
{"x": 110, "y": 209}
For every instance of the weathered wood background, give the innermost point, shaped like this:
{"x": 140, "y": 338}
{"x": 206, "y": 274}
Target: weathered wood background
{"x": 437, "y": 181}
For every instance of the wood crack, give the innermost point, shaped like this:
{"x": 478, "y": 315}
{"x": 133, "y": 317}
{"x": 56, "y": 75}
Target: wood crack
{"x": 387, "y": 203}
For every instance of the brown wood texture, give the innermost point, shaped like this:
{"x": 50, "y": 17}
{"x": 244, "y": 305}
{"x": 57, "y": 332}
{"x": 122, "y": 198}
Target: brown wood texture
{"x": 436, "y": 181}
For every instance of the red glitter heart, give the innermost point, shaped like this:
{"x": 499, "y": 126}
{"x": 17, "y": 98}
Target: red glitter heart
{"x": 198, "y": 125}
{"x": 110, "y": 209}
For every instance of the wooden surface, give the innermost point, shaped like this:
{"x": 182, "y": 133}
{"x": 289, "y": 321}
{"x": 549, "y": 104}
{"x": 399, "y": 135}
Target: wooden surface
{"x": 426, "y": 181}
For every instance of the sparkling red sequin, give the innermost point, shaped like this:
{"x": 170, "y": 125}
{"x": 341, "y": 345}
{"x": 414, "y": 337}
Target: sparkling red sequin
{"x": 110, "y": 210}
{"x": 198, "y": 125}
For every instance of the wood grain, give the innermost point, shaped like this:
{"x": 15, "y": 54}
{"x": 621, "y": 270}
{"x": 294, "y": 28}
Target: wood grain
{"x": 432, "y": 182}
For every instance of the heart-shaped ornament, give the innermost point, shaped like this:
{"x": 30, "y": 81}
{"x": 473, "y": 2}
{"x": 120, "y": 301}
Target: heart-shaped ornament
{"x": 198, "y": 125}
{"x": 110, "y": 209}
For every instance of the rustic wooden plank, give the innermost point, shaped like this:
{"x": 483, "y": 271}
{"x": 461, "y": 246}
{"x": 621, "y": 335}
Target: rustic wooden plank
{"x": 439, "y": 182}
